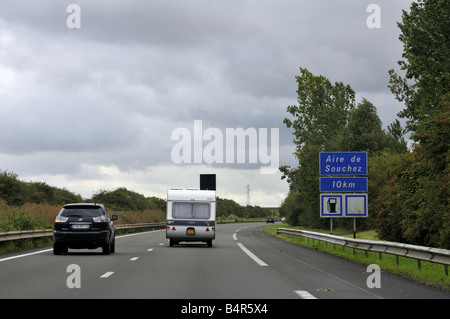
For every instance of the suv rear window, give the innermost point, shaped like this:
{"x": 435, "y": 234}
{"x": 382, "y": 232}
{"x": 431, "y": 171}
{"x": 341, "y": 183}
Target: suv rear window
{"x": 82, "y": 211}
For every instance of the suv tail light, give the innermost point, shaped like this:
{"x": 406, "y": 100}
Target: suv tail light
{"x": 61, "y": 219}
{"x": 99, "y": 219}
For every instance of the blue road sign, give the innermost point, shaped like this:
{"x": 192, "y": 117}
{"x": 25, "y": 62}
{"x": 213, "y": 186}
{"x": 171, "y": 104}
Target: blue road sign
{"x": 343, "y": 184}
{"x": 343, "y": 163}
{"x": 355, "y": 205}
{"x": 331, "y": 205}
{"x": 343, "y": 205}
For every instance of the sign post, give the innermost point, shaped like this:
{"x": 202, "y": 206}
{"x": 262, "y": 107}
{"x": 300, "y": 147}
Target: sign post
{"x": 344, "y": 189}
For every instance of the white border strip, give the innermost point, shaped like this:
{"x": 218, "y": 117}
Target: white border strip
{"x": 25, "y": 255}
{"x": 252, "y": 256}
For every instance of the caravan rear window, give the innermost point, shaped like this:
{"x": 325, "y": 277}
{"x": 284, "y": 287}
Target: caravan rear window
{"x": 185, "y": 210}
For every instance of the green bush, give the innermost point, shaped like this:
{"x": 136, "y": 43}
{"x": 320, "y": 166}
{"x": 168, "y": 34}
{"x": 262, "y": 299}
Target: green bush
{"x": 21, "y": 221}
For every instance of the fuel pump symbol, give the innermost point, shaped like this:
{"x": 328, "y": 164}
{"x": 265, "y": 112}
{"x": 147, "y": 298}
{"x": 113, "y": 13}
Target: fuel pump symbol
{"x": 331, "y": 205}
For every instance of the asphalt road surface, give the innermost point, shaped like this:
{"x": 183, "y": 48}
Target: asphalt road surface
{"x": 243, "y": 264}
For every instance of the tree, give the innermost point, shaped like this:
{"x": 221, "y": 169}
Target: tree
{"x": 395, "y": 140}
{"x": 322, "y": 109}
{"x": 12, "y": 189}
{"x": 415, "y": 207}
{"x": 123, "y": 199}
{"x": 321, "y": 114}
{"x": 425, "y": 37}
{"x": 364, "y": 132}
{"x": 290, "y": 208}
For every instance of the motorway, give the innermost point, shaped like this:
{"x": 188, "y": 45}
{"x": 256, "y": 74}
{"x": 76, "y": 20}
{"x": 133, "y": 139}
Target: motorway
{"x": 244, "y": 263}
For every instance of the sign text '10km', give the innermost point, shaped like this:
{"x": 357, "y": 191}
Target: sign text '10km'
{"x": 343, "y": 184}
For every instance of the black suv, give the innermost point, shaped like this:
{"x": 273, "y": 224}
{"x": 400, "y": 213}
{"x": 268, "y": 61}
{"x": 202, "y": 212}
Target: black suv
{"x": 84, "y": 226}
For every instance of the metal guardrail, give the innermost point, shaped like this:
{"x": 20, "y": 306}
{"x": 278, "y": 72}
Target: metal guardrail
{"x": 26, "y": 234}
{"x": 434, "y": 255}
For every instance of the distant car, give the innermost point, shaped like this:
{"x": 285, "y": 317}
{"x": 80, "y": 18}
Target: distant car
{"x": 84, "y": 225}
{"x": 270, "y": 220}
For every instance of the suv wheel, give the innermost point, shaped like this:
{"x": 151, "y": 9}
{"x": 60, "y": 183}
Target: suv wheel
{"x": 59, "y": 249}
{"x": 106, "y": 249}
{"x": 112, "y": 248}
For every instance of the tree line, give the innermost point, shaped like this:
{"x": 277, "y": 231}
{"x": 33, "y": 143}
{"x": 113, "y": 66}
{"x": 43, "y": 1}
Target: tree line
{"x": 230, "y": 209}
{"x": 408, "y": 188}
{"x": 122, "y": 199}
{"x": 16, "y": 193}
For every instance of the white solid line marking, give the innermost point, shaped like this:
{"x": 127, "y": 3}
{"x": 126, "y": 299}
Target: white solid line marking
{"x": 134, "y": 258}
{"x": 234, "y": 236}
{"x": 25, "y": 255}
{"x": 107, "y": 274}
{"x": 252, "y": 256}
{"x": 304, "y": 294}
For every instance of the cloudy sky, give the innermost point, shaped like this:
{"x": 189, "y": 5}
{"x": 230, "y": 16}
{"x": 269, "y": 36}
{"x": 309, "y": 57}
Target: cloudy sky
{"x": 96, "y": 107}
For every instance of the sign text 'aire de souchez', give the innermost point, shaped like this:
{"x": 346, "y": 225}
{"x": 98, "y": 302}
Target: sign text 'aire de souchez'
{"x": 343, "y": 163}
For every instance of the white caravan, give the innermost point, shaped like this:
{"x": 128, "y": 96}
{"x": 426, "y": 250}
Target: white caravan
{"x": 191, "y": 215}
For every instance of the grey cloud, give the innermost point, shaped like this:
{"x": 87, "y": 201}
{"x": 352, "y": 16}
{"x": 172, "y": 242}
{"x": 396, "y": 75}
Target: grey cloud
{"x": 110, "y": 93}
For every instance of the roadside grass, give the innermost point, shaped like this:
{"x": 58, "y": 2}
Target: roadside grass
{"x": 23, "y": 244}
{"x": 429, "y": 273}
{"x": 46, "y": 213}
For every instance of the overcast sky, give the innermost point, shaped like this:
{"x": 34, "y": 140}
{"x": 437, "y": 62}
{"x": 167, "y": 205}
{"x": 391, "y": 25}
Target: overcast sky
{"x": 94, "y": 108}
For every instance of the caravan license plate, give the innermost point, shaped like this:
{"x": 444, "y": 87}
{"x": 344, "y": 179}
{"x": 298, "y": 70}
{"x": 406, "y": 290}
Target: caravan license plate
{"x": 190, "y": 231}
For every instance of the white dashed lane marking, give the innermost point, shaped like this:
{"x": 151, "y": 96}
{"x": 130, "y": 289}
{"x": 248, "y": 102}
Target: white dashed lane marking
{"x": 304, "y": 294}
